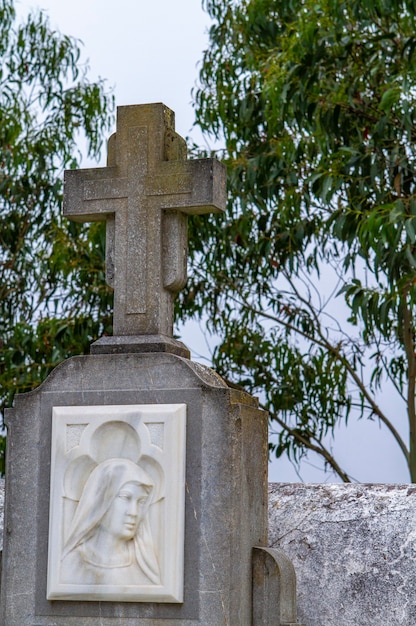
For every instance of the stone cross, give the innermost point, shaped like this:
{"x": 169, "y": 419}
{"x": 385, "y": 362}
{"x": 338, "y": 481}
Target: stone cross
{"x": 145, "y": 194}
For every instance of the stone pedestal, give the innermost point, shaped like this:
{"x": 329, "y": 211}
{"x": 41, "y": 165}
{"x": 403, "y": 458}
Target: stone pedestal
{"x": 225, "y": 491}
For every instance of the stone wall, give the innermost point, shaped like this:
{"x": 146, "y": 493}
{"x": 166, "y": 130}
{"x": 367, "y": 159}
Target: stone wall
{"x": 353, "y": 548}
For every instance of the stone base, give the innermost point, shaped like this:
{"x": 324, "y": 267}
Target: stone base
{"x": 140, "y": 343}
{"x": 225, "y": 486}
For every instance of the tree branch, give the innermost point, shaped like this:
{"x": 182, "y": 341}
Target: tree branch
{"x": 409, "y": 346}
{"x": 323, "y": 342}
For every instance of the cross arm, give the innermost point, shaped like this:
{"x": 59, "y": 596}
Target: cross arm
{"x": 209, "y": 189}
{"x": 92, "y": 194}
{"x": 192, "y": 187}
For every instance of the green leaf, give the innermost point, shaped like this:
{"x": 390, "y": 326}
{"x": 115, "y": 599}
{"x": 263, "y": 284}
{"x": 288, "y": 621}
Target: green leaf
{"x": 389, "y": 98}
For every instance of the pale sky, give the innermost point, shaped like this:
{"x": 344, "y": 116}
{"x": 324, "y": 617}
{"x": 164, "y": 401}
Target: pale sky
{"x": 149, "y": 51}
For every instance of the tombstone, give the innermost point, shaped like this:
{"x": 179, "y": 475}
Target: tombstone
{"x": 136, "y": 480}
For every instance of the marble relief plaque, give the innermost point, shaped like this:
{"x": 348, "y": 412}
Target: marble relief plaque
{"x": 117, "y": 503}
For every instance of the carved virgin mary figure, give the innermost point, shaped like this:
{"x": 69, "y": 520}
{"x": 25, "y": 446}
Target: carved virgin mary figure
{"x": 110, "y": 540}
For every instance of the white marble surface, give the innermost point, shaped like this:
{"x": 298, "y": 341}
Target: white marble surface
{"x": 117, "y": 503}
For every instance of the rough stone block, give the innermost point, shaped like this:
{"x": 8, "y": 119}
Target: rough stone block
{"x": 353, "y": 548}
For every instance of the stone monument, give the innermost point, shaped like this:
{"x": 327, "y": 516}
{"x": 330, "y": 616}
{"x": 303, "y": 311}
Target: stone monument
{"x": 136, "y": 480}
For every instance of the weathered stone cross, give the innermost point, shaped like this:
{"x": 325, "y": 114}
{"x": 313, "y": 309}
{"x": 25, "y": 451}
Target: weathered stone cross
{"x": 145, "y": 194}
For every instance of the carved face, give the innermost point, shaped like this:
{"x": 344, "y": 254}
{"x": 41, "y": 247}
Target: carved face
{"x": 126, "y": 511}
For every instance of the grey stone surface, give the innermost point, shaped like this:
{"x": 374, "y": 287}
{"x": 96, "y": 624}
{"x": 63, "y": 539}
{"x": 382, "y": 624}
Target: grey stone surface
{"x": 274, "y": 588}
{"x": 139, "y": 343}
{"x": 145, "y": 195}
{"x": 1, "y": 511}
{"x": 353, "y": 548}
{"x": 226, "y": 491}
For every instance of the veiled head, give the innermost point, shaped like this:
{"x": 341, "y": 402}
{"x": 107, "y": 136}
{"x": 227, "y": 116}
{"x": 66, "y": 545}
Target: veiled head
{"x": 113, "y": 487}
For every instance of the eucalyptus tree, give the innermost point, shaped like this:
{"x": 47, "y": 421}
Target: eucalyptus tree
{"x": 315, "y": 101}
{"x": 53, "y": 298}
